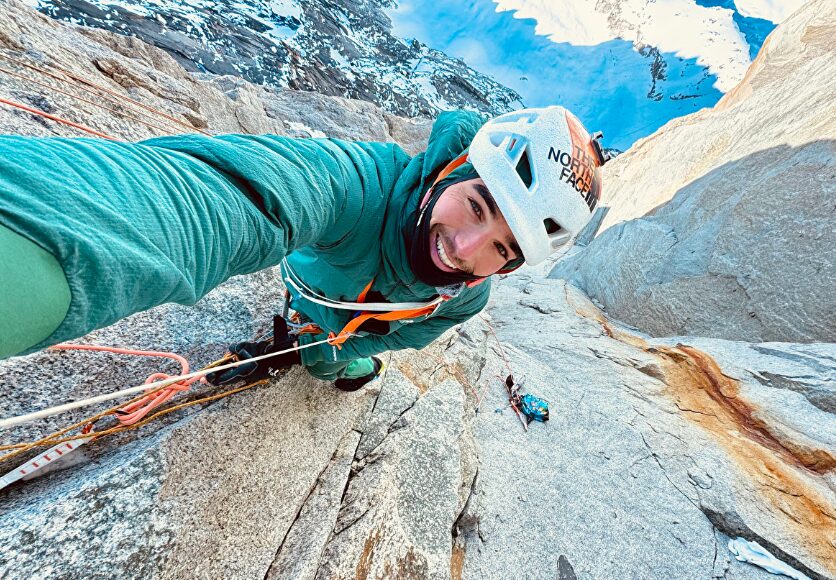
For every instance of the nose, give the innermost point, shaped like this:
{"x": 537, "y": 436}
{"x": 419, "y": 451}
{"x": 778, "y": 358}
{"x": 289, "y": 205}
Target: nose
{"x": 471, "y": 241}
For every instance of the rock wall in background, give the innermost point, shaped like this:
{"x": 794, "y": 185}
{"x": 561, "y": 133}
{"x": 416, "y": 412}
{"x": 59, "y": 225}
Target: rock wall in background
{"x": 340, "y": 48}
{"x": 657, "y": 450}
{"x": 217, "y": 104}
{"x": 735, "y": 206}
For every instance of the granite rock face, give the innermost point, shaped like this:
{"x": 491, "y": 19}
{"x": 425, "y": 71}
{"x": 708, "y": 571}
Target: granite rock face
{"x": 653, "y": 455}
{"x": 182, "y": 101}
{"x": 652, "y": 458}
{"x": 657, "y": 450}
{"x": 734, "y": 208}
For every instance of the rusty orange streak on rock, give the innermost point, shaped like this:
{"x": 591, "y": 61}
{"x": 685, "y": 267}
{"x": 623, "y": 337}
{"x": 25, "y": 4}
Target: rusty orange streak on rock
{"x": 725, "y": 393}
{"x": 457, "y": 562}
{"x": 788, "y": 477}
{"x": 364, "y": 564}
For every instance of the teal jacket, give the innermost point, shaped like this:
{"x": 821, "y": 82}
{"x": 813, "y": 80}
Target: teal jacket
{"x": 135, "y": 225}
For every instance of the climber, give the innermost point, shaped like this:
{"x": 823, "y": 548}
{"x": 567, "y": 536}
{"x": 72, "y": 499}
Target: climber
{"x": 374, "y": 245}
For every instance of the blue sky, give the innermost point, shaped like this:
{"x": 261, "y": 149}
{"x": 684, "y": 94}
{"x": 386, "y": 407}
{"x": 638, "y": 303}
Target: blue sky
{"x": 606, "y": 85}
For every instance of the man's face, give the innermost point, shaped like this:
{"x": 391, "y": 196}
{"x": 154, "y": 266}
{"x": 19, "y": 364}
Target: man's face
{"x": 468, "y": 232}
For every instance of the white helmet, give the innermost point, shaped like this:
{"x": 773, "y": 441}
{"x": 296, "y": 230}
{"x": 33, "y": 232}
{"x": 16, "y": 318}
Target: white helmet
{"x": 542, "y": 168}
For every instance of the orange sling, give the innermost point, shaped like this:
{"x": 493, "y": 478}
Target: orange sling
{"x": 357, "y": 321}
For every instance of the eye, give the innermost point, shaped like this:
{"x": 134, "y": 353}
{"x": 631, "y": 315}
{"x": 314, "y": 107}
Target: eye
{"x": 502, "y": 251}
{"x": 476, "y": 209}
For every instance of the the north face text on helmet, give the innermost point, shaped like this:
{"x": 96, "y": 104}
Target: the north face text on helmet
{"x": 548, "y": 205}
{"x": 578, "y": 171}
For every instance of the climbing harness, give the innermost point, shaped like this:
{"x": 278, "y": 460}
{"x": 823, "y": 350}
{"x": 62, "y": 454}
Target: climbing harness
{"x": 293, "y": 280}
{"x": 364, "y": 311}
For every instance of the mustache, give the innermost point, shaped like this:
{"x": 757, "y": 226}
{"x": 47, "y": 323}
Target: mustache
{"x": 465, "y": 268}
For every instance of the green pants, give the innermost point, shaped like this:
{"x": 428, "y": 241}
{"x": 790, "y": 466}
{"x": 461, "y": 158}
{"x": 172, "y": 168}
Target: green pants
{"x": 34, "y": 294}
{"x": 331, "y": 371}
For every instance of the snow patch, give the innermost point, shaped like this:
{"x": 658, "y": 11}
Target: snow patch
{"x": 302, "y": 128}
{"x": 681, "y": 27}
{"x": 774, "y": 10}
{"x": 289, "y": 8}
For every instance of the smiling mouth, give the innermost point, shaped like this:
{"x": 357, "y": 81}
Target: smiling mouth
{"x": 442, "y": 255}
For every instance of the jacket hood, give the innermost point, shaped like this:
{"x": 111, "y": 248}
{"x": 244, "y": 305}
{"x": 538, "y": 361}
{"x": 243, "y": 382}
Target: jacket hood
{"x": 447, "y": 141}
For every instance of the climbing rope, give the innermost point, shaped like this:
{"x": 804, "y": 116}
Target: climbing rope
{"x": 514, "y": 398}
{"x": 157, "y": 384}
{"x": 135, "y": 411}
{"x": 56, "y": 118}
{"x": 498, "y": 343}
{"x": 98, "y": 91}
{"x": 504, "y": 358}
{"x": 159, "y": 389}
{"x": 87, "y": 434}
{"x": 88, "y": 101}
{"x": 129, "y": 420}
{"x": 118, "y": 96}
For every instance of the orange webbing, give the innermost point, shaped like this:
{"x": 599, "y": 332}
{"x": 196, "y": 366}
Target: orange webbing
{"x": 362, "y": 296}
{"x": 451, "y": 167}
{"x": 355, "y": 322}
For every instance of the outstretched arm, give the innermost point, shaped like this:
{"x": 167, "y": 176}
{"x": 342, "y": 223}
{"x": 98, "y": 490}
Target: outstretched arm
{"x": 134, "y": 225}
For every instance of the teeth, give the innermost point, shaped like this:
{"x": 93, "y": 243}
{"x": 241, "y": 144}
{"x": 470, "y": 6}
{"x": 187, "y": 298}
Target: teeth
{"x": 441, "y": 254}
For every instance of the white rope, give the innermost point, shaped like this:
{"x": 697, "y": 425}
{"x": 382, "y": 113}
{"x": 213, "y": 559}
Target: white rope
{"x": 12, "y": 421}
{"x": 309, "y": 294}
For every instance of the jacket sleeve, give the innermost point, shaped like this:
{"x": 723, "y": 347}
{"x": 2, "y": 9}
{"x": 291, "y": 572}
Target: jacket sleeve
{"x": 310, "y": 190}
{"x": 416, "y": 335}
{"x": 136, "y": 225}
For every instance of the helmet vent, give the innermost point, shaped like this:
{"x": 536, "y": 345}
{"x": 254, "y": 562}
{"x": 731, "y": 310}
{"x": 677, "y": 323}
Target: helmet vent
{"x": 524, "y": 116}
{"x": 552, "y": 227}
{"x": 524, "y": 170}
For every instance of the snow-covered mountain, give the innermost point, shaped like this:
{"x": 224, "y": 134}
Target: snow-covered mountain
{"x": 338, "y": 47}
{"x": 625, "y": 67}
{"x": 716, "y": 33}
